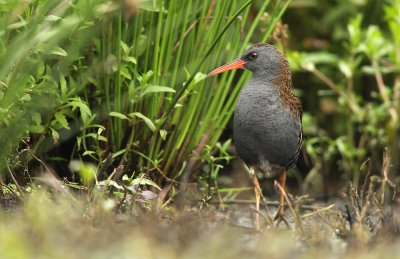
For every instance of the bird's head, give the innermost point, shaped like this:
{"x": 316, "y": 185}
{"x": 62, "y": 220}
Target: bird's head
{"x": 262, "y": 59}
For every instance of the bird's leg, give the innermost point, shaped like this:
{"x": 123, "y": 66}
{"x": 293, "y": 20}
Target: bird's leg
{"x": 257, "y": 191}
{"x": 282, "y": 184}
{"x": 280, "y": 213}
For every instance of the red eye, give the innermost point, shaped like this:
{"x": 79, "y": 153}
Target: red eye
{"x": 253, "y": 56}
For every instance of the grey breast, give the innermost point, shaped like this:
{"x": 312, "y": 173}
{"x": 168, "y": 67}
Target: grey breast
{"x": 265, "y": 131}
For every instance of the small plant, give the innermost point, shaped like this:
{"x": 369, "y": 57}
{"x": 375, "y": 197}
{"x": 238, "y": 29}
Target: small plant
{"x": 366, "y": 121}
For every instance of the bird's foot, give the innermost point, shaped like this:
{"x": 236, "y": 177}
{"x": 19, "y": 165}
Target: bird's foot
{"x": 280, "y": 217}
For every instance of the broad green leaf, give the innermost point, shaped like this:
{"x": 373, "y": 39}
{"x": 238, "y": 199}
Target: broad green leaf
{"x": 125, "y": 73}
{"x": 199, "y": 77}
{"x": 157, "y": 89}
{"x": 163, "y": 134}
{"x": 86, "y": 171}
{"x": 354, "y": 29}
{"x": 124, "y": 47}
{"x": 119, "y": 115}
{"x": 131, "y": 60}
{"x": 36, "y": 118}
{"x": 97, "y": 137}
{"x": 118, "y": 153}
{"x": 25, "y": 98}
{"x": 144, "y": 181}
{"x": 319, "y": 58}
{"x": 83, "y": 108}
{"x": 53, "y": 18}
{"x": 88, "y": 152}
{"x": 60, "y": 118}
{"x": 345, "y": 69}
{"x": 146, "y": 120}
{"x": 36, "y": 129}
{"x": 59, "y": 52}
{"x": 63, "y": 87}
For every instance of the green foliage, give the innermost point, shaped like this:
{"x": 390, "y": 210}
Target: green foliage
{"x": 364, "y": 87}
{"x": 149, "y": 104}
{"x": 40, "y": 45}
{"x": 126, "y": 81}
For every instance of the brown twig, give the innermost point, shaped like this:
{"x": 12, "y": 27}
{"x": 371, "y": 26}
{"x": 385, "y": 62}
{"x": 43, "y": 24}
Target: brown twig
{"x": 385, "y": 179}
{"x": 191, "y": 27}
{"x": 318, "y": 211}
{"x": 12, "y": 191}
{"x": 268, "y": 217}
{"x": 289, "y": 203}
{"x": 379, "y": 81}
{"x": 364, "y": 186}
{"x": 14, "y": 180}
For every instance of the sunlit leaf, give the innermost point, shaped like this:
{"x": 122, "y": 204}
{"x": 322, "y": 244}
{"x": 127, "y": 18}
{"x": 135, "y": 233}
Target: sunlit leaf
{"x": 131, "y": 60}
{"x": 144, "y": 181}
{"x": 118, "y": 115}
{"x": 146, "y": 120}
{"x": 59, "y": 52}
{"x": 157, "y": 89}
{"x": 60, "y": 118}
{"x": 345, "y": 69}
{"x": 163, "y": 134}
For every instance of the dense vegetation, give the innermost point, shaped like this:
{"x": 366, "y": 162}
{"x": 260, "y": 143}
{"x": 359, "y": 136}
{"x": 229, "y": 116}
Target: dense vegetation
{"x": 106, "y": 117}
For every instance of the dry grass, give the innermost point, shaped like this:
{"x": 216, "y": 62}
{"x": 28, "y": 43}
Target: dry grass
{"x": 53, "y": 221}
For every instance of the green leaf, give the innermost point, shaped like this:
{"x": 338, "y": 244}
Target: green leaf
{"x": 53, "y": 18}
{"x": 83, "y": 108}
{"x": 319, "y": 58}
{"x": 36, "y": 129}
{"x": 88, "y": 152}
{"x": 354, "y": 29}
{"x": 60, "y": 118}
{"x": 146, "y": 120}
{"x": 96, "y": 137}
{"x": 344, "y": 67}
{"x": 36, "y": 118}
{"x": 163, "y": 134}
{"x": 25, "y": 98}
{"x": 59, "y": 52}
{"x": 63, "y": 87}
{"x": 118, "y": 153}
{"x": 86, "y": 171}
{"x": 144, "y": 181}
{"x": 124, "y": 47}
{"x": 125, "y": 73}
{"x": 112, "y": 183}
{"x": 131, "y": 60}
{"x": 157, "y": 89}
{"x": 199, "y": 77}
{"x": 118, "y": 115}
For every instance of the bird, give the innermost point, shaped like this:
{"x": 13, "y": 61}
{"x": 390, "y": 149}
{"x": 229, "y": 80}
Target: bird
{"x": 267, "y": 121}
